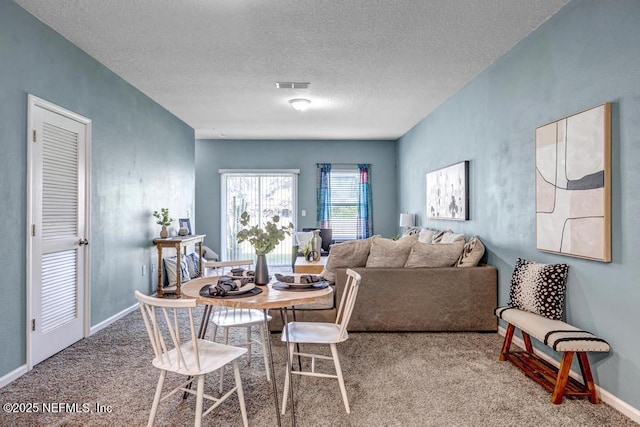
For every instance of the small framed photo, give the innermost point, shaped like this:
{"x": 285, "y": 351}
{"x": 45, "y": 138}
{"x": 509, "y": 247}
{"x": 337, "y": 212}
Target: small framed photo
{"x": 186, "y": 223}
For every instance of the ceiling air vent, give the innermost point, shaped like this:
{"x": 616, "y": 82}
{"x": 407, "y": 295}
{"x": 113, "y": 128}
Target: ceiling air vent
{"x": 292, "y": 85}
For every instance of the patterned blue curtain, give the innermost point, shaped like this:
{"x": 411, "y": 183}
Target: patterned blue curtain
{"x": 365, "y": 221}
{"x": 324, "y": 195}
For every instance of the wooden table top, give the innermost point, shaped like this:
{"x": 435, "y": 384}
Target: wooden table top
{"x": 269, "y": 298}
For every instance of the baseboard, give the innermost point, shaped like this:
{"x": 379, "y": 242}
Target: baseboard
{"x": 100, "y": 326}
{"x": 611, "y": 400}
{"x": 13, "y": 375}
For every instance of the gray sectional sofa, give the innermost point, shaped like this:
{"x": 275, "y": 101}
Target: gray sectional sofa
{"x": 398, "y": 299}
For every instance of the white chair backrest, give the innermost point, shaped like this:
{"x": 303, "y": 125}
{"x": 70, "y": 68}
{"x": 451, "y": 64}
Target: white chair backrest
{"x": 348, "y": 300}
{"x": 160, "y": 317}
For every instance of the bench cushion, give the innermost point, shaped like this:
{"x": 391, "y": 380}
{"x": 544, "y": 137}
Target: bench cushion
{"x": 557, "y": 334}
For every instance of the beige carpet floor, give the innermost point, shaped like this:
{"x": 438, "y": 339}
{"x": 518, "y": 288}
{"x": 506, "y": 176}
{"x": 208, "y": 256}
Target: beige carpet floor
{"x": 393, "y": 379}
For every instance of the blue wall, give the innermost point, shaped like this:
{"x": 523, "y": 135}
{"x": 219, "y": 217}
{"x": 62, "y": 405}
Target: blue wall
{"x": 212, "y": 155}
{"x": 587, "y": 54}
{"x": 142, "y": 159}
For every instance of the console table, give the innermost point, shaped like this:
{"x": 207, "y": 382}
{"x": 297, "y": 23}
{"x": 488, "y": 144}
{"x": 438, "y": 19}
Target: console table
{"x": 179, "y": 243}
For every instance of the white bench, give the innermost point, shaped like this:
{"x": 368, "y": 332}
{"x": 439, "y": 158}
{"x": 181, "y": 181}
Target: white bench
{"x": 559, "y": 336}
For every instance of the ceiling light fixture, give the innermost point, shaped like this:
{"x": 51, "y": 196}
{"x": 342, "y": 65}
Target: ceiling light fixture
{"x": 299, "y": 104}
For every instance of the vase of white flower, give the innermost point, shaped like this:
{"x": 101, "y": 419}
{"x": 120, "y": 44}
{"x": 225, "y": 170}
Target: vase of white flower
{"x": 263, "y": 241}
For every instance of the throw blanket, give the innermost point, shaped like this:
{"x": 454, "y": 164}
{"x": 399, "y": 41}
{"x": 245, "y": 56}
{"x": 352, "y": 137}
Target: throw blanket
{"x": 226, "y": 284}
{"x": 303, "y": 278}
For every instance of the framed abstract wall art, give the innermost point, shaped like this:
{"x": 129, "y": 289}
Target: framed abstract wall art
{"x": 448, "y": 192}
{"x": 573, "y": 185}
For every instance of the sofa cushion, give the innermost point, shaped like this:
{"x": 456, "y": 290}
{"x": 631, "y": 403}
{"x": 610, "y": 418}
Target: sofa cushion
{"x": 390, "y": 253}
{"x": 437, "y": 238}
{"x": 428, "y": 255}
{"x": 426, "y": 235}
{"x": 471, "y": 253}
{"x": 539, "y": 288}
{"x": 353, "y": 253}
{"x": 451, "y": 237}
{"x": 411, "y": 230}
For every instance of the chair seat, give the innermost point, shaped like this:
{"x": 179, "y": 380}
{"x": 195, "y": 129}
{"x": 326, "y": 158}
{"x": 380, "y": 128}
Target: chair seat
{"x": 314, "y": 333}
{"x": 238, "y": 317}
{"x": 212, "y": 356}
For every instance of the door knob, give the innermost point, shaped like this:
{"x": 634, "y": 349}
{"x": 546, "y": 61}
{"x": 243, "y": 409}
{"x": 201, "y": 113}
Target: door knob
{"x": 83, "y": 242}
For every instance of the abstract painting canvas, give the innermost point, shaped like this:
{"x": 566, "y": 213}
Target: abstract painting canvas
{"x": 447, "y": 192}
{"x": 573, "y": 185}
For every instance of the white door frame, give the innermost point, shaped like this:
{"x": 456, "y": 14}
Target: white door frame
{"x": 34, "y": 101}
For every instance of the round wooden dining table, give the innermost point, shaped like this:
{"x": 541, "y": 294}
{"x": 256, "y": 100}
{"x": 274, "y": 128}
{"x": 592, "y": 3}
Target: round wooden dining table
{"x": 268, "y": 299}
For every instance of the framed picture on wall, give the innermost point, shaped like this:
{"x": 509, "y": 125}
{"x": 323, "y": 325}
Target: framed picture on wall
{"x": 573, "y": 185}
{"x": 448, "y": 192}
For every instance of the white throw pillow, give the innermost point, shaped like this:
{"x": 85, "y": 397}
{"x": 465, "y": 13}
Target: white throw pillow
{"x": 426, "y": 234}
{"x": 451, "y": 237}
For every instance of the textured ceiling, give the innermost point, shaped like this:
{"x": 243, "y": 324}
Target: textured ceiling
{"x": 376, "y": 67}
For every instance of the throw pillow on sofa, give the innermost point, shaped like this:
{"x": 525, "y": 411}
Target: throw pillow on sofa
{"x": 353, "y": 253}
{"x": 426, "y": 235}
{"x": 447, "y": 236}
{"x": 390, "y": 253}
{"x": 539, "y": 288}
{"x": 428, "y": 255}
{"x": 471, "y": 253}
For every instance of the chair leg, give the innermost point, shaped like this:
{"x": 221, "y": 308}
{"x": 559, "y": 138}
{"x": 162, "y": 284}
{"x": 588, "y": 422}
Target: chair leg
{"x": 213, "y": 334}
{"x": 243, "y": 408}
{"x": 225, "y": 340}
{"x": 248, "y": 345}
{"x": 264, "y": 352}
{"x": 343, "y": 389}
{"x": 156, "y": 398}
{"x": 199, "y": 398}
{"x": 287, "y": 379}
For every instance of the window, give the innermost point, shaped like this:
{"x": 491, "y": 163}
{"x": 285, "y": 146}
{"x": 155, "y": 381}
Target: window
{"x": 262, "y": 194}
{"x": 344, "y": 204}
{"x": 344, "y": 200}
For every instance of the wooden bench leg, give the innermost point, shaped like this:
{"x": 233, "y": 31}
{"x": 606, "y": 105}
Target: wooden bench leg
{"x": 586, "y": 376}
{"x": 507, "y": 342}
{"x": 563, "y": 377}
{"x": 527, "y": 342}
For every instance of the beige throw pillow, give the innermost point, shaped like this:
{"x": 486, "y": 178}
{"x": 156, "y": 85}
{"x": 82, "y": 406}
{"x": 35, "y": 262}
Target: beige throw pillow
{"x": 471, "y": 253}
{"x": 390, "y": 253}
{"x": 426, "y": 235}
{"x": 451, "y": 237}
{"x": 428, "y": 255}
{"x": 353, "y": 253}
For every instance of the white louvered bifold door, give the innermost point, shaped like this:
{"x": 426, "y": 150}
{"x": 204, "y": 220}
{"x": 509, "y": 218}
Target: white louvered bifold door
{"x": 58, "y": 232}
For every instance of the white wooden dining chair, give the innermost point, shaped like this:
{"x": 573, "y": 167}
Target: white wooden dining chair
{"x": 227, "y": 318}
{"x": 323, "y": 333}
{"x": 177, "y": 349}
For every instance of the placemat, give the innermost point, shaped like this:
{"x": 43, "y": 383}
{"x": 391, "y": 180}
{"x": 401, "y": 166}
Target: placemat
{"x": 204, "y": 292}
{"x": 281, "y": 286}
